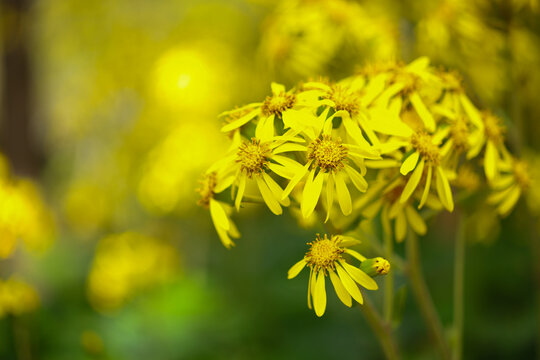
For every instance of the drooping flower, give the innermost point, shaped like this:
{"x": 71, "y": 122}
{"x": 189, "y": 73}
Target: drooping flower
{"x": 219, "y": 211}
{"x": 264, "y": 113}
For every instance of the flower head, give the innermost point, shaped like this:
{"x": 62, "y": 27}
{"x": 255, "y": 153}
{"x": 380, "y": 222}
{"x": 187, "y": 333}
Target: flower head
{"x": 325, "y": 258}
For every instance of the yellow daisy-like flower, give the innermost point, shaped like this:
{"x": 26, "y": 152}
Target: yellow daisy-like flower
{"x": 426, "y": 154}
{"x": 391, "y": 209}
{"x": 513, "y": 181}
{"x": 249, "y": 161}
{"x": 17, "y": 297}
{"x": 325, "y": 257}
{"x": 219, "y": 211}
{"x": 495, "y": 151}
{"x": 274, "y": 106}
{"x": 328, "y": 162}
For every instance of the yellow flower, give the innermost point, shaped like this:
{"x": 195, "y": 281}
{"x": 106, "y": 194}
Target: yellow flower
{"x": 426, "y": 153}
{"x": 508, "y": 187}
{"x": 127, "y": 263}
{"x": 495, "y": 152}
{"x": 219, "y": 211}
{"x": 325, "y": 257}
{"x": 384, "y": 199}
{"x": 17, "y": 297}
{"x": 328, "y": 159}
{"x": 274, "y": 106}
{"x": 249, "y": 161}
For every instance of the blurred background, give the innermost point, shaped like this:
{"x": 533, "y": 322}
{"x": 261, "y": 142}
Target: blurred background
{"x": 108, "y": 117}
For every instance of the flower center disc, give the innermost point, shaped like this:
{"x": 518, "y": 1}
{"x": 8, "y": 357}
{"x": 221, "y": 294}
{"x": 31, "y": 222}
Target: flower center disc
{"x": 253, "y": 157}
{"x": 423, "y": 143}
{"x": 328, "y": 154}
{"x": 275, "y": 105}
{"x": 323, "y": 253}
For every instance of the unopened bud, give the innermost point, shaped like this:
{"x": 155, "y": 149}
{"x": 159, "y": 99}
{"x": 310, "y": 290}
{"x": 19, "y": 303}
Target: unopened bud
{"x": 376, "y": 266}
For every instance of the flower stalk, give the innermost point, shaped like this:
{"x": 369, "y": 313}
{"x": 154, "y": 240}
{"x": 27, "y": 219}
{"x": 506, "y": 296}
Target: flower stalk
{"x": 423, "y": 298}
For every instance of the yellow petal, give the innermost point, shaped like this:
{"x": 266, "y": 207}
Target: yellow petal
{"x": 240, "y": 121}
{"x": 349, "y": 284}
{"x": 410, "y": 163}
{"x": 373, "y": 89}
{"x": 443, "y": 190}
{"x": 287, "y": 147}
{"x": 387, "y": 122}
{"x": 343, "y": 195}
{"x": 265, "y": 128}
{"x": 354, "y": 131}
{"x": 319, "y": 295}
{"x": 219, "y": 216}
{"x": 312, "y": 192}
{"x": 471, "y": 111}
{"x": 357, "y": 179}
{"x": 277, "y": 88}
{"x": 296, "y": 268}
{"x": 240, "y": 193}
{"x": 355, "y": 254}
{"x": 311, "y": 286}
{"x": 359, "y": 276}
{"x": 425, "y": 193}
{"x": 509, "y": 202}
{"x": 401, "y": 226}
{"x": 329, "y": 196}
{"x": 224, "y": 183}
{"x": 276, "y": 190}
{"x": 490, "y": 161}
{"x": 422, "y": 111}
{"x": 268, "y": 197}
{"x": 224, "y": 237}
{"x": 295, "y": 180}
{"x": 415, "y": 220}
{"x": 413, "y": 182}
{"x": 281, "y": 171}
{"x": 341, "y": 292}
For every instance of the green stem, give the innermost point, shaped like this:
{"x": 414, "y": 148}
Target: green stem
{"x": 382, "y": 330}
{"x": 459, "y": 271}
{"x": 21, "y": 339}
{"x": 423, "y": 297}
{"x": 389, "y": 279}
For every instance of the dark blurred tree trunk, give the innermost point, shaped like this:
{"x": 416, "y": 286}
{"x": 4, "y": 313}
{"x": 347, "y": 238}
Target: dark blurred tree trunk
{"x": 16, "y": 137}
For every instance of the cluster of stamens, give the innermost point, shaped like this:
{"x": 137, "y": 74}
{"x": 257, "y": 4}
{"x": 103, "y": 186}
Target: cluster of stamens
{"x": 409, "y": 80}
{"x": 278, "y": 103}
{"x": 521, "y": 173}
{"x": 460, "y": 132}
{"x": 344, "y": 99}
{"x": 423, "y": 143}
{"x": 327, "y": 154}
{"x": 467, "y": 178}
{"x": 324, "y": 252}
{"x": 208, "y": 184}
{"x": 452, "y": 80}
{"x": 253, "y": 157}
{"x": 494, "y": 130}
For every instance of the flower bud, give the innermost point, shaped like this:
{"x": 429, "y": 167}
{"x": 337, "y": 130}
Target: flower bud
{"x": 376, "y": 266}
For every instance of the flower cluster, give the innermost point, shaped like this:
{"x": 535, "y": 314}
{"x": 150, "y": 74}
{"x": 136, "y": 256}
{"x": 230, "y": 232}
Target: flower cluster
{"x": 17, "y": 297}
{"x": 391, "y": 141}
{"x": 24, "y": 215}
{"x": 126, "y": 264}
